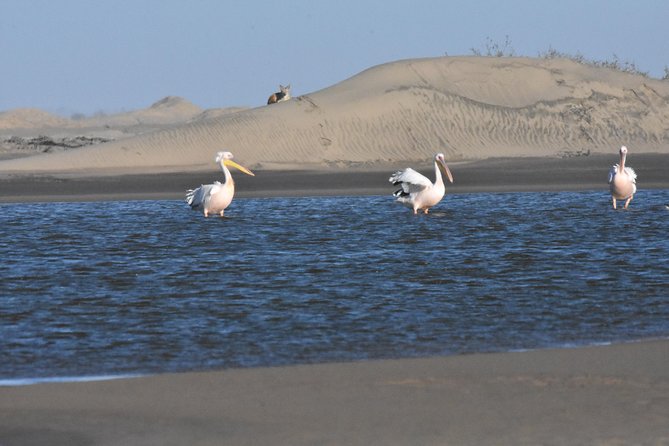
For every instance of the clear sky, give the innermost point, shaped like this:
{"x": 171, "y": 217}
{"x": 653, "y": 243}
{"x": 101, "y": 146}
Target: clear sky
{"x": 87, "y": 56}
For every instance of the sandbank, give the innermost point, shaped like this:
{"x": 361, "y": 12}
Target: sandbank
{"x": 490, "y": 175}
{"x": 607, "y": 395}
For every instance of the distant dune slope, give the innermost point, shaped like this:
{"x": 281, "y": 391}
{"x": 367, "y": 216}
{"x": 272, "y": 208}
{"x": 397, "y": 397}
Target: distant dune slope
{"x": 466, "y": 107}
{"x": 169, "y": 110}
{"x": 29, "y": 117}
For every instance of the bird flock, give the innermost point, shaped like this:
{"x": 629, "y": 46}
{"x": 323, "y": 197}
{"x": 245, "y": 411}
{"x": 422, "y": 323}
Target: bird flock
{"x": 415, "y": 191}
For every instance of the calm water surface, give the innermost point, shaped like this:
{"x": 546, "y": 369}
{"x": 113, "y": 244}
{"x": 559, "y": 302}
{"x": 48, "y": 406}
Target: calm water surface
{"x": 109, "y": 288}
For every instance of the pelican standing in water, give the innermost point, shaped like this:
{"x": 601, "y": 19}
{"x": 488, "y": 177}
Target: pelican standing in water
{"x": 622, "y": 180}
{"x": 215, "y": 198}
{"x": 417, "y": 191}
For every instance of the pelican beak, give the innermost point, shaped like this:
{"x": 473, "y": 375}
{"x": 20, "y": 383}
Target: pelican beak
{"x": 445, "y": 170}
{"x": 238, "y": 167}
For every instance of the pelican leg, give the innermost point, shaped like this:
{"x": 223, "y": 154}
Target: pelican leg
{"x": 628, "y": 201}
{"x": 614, "y": 202}
{"x": 221, "y": 214}
{"x": 426, "y": 210}
{"x": 206, "y": 213}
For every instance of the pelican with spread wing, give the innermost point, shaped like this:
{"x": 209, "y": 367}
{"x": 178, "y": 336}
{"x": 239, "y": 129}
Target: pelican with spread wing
{"x": 215, "y": 198}
{"x": 417, "y": 191}
{"x": 622, "y": 180}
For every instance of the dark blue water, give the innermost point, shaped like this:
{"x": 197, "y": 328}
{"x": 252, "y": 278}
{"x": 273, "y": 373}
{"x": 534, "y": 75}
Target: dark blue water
{"x": 110, "y": 288}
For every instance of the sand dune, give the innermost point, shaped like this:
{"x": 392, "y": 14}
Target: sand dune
{"x": 466, "y": 107}
{"x": 169, "y": 110}
{"x": 29, "y": 118}
{"x": 28, "y": 132}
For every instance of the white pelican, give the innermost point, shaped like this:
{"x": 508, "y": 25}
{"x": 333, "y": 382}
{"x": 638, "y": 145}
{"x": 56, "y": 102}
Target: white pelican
{"x": 622, "y": 180}
{"x": 215, "y": 198}
{"x": 417, "y": 191}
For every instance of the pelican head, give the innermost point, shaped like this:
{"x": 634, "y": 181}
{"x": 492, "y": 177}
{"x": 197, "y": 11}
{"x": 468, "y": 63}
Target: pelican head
{"x": 441, "y": 163}
{"x": 225, "y": 159}
{"x": 623, "y": 150}
{"x": 221, "y": 156}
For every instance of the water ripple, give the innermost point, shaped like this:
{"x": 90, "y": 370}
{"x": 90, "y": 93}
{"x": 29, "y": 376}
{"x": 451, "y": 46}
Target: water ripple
{"x": 92, "y": 289}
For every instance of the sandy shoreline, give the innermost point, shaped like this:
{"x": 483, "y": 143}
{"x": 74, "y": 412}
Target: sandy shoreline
{"x": 531, "y": 124}
{"x": 491, "y": 175}
{"x": 609, "y": 395}
{"x": 615, "y": 395}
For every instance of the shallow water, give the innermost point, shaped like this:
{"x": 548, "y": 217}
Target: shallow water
{"x": 110, "y": 288}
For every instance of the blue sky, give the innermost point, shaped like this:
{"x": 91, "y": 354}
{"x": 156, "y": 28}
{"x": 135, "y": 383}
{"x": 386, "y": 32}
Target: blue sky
{"x": 87, "y": 56}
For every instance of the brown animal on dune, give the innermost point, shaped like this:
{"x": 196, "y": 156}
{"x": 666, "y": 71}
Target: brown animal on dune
{"x": 282, "y": 95}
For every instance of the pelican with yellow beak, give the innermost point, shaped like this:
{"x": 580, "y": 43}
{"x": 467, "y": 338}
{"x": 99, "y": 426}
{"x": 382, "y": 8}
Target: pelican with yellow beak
{"x": 215, "y": 198}
{"x": 417, "y": 191}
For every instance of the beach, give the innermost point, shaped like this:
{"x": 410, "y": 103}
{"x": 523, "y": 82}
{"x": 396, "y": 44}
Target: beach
{"x": 490, "y": 175}
{"x": 506, "y": 125}
{"x": 606, "y": 395}
{"x": 603, "y": 395}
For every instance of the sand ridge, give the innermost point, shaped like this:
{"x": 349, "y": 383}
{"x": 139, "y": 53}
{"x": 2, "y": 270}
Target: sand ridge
{"x": 466, "y": 107}
{"x": 490, "y": 175}
{"x": 169, "y": 110}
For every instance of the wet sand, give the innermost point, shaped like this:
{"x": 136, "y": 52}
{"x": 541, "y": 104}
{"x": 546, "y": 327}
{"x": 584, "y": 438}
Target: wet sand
{"x": 491, "y": 175}
{"x": 608, "y": 395}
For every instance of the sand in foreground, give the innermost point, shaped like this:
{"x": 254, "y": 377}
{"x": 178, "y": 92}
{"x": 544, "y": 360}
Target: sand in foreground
{"x": 597, "y": 395}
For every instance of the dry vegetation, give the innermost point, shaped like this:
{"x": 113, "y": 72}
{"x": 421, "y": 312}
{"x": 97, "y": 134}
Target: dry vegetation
{"x": 505, "y": 49}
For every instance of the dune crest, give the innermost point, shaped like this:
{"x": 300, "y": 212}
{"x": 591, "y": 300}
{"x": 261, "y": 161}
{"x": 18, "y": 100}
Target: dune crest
{"x": 28, "y": 118}
{"x": 169, "y": 110}
{"x": 466, "y": 107}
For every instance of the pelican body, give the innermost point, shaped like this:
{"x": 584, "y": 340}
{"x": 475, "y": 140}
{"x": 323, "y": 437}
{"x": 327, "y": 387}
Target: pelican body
{"x": 622, "y": 180}
{"x": 417, "y": 191}
{"x": 215, "y": 198}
